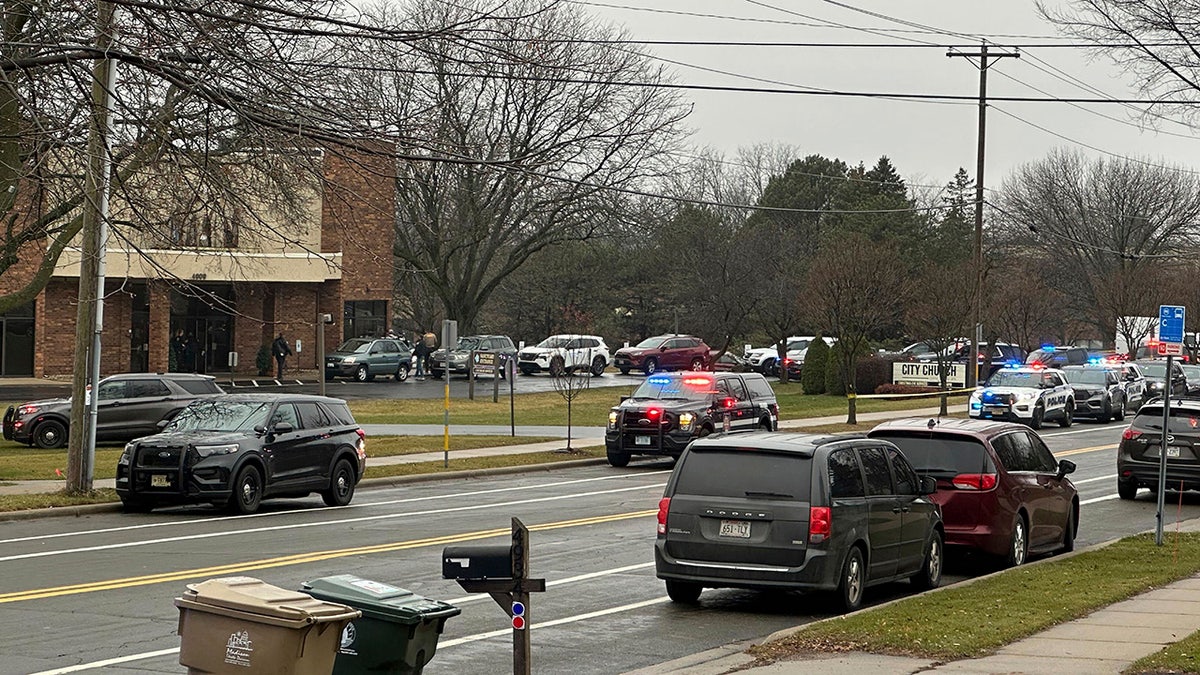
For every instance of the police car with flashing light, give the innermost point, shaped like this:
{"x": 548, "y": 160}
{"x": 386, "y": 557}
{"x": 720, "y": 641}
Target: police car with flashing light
{"x": 1026, "y": 394}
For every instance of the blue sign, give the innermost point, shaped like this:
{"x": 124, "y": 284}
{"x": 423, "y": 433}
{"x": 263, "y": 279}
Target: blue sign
{"x": 518, "y": 609}
{"x": 1170, "y": 323}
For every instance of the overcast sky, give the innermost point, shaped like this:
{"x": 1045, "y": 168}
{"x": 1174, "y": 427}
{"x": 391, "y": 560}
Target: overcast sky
{"x": 926, "y": 141}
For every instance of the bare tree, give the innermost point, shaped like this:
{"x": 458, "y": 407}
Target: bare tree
{"x": 1025, "y": 309}
{"x": 854, "y": 288}
{"x": 1102, "y": 228}
{"x": 570, "y": 384}
{"x": 549, "y": 104}
{"x": 938, "y": 315}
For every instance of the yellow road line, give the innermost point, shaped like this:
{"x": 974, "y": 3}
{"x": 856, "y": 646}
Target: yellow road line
{"x": 1080, "y": 451}
{"x": 300, "y": 558}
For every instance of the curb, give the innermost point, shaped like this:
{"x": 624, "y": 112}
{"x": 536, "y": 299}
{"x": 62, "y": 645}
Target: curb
{"x": 367, "y": 483}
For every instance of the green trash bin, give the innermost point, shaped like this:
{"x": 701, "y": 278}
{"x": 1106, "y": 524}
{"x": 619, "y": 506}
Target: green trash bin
{"x": 397, "y": 633}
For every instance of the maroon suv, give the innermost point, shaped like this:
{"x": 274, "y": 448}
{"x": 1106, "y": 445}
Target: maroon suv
{"x": 999, "y": 487}
{"x": 663, "y": 352}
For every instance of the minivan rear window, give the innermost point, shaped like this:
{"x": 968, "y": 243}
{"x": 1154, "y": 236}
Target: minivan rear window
{"x": 941, "y": 456}
{"x": 720, "y": 472}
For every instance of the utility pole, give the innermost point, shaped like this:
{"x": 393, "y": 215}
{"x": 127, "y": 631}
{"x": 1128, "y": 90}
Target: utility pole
{"x": 977, "y": 327}
{"x": 89, "y": 319}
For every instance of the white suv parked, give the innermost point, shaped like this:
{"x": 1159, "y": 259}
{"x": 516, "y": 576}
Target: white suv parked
{"x": 763, "y": 359}
{"x": 559, "y": 353}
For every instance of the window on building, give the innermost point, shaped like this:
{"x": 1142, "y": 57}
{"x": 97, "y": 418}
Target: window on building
{"x": 364, "y": 318}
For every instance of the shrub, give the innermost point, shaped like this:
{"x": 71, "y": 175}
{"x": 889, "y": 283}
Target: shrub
{"x": 812, "y": 375}
{"x": 870, "y": 372}
{"x": 262, "y": 361}
{"x": 835, "y": 384}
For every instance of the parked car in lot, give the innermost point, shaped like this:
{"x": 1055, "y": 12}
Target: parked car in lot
{"x": 663, "y": 352}
{"x": 458, "y": 360}
{"x": 364, "y": 359}
{"x": 565, "y": 353}
{"x": 129, "y": 405}
{"x": 233, "y": 451}
{"x": 668, "y": 410}
{"x": 1138, "y": 455}
{"x": 1058, "y": 357}
{"x": 1099, "y": 391}
{"x": 727, "y": 362}
{"x": 1000, "y": 489}
{"x": 762, "y": 359}
{"x": 796, "y": 511}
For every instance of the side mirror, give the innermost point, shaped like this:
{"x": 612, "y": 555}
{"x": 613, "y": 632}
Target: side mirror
{"x": 929, "y": 485}
{"x": 1065, "y": 466}
{"x": 282, "y": 428}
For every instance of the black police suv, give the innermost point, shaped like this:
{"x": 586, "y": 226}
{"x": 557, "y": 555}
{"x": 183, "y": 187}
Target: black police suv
{"x": 235, "y": 450}
{"x": 668, "y": 410}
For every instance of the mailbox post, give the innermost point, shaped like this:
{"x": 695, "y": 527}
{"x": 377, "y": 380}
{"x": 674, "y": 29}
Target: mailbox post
{"x": 503, "y": 573}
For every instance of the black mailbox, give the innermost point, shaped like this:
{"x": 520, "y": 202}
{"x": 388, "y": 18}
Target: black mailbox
{"x": 477, "y": 562}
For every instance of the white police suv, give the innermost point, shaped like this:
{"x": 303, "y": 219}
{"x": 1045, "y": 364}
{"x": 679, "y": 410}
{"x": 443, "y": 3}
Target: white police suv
{"x": 1027, "y": 394}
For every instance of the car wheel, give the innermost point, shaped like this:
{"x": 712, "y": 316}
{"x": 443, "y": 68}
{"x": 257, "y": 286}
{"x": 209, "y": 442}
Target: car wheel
{"x": 624, "y": 371}
{"x": 556, "y": 366}
{"x": 1039, "y": 413}
{"x": 651, "y": 366}
{"x": 362, "y": 375}
{"x": 697, "y": 364}
{"x": 1018, "y": 545}
{"x": 50, "y": 434}
{"x": 1106, "y": 414}
{"x": 401, "y": 373}
{"x": 1069, "y": 534}
{"x": 1127, "y": 489}
{"x": 1119, "y": 415}
{"x": 684, "y": 592}
{"x": 618, "y": 459}
{"x": 1068, "y": 414}
{"x": 853, "y": 581}
{"x": 527, "y": 371}
{"x": 247, "y": 491}
{"x": 598, "y": 366}
{"x": 134, "y": 505}
{"x": 930, "y": 575}
{"x": 341, "y": 485}
{"x": 436, "y": 374}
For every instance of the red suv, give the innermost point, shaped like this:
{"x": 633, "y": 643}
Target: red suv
{"x": 1000, "y": 490}
{"x": 663, "y": 352}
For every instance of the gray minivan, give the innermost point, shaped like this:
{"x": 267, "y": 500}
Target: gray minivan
{"x": 796, "y": 511}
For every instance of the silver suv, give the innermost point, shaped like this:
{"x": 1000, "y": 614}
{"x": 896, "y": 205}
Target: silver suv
{"x": 565, "y": 353}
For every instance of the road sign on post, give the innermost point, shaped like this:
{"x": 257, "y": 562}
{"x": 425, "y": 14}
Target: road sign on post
{"x": 1170, "y": 323}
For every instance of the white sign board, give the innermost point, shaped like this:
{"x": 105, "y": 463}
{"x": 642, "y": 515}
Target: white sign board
{"x": 924, "y": 374}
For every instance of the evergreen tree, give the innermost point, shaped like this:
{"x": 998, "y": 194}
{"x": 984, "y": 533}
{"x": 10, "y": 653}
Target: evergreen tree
{"x": 952, "y": 238}
{"x": 812, "y": 376}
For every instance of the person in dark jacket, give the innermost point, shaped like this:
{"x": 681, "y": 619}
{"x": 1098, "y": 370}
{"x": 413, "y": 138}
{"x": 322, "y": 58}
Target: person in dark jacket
{"x": 421, "y": 351}
{"x": 281, "y": 349}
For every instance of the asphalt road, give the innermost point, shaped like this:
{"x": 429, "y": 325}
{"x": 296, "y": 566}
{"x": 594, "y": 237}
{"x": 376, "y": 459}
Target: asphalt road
{"x": 94, "y": 593}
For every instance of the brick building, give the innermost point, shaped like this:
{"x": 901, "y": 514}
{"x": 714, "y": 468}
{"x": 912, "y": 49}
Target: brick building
{"x": 230, "y": 297}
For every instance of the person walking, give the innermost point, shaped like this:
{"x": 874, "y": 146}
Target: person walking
{"x": 281, "y": 350}
{"x": 421, "y": 351}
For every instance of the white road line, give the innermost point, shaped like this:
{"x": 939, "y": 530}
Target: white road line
{"x": 390, "y": 502}
{"x": 558, "y": 582}
{"x": 1098, "y": 499}
{"x": 109, "y": 662}
{"x": 296, "y": 526}
{"x": 441, "y": 645}
{"x": 1082, "y": 431}
{"x": 1093, "y": 480}
{"x": 556, "y": 622}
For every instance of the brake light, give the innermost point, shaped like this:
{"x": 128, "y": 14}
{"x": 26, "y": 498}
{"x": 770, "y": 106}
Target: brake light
{"x": 1130, "y": 433}
{"x": 974, "y": 481}
{"x": 664, "y": 506}
{"x": 819, "y": 528}
{"x": 728, "y": 402}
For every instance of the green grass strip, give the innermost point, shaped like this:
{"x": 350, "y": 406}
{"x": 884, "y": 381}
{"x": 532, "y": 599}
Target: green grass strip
{"x": 1180, "y": 657}
{"x": 975, "y": 619}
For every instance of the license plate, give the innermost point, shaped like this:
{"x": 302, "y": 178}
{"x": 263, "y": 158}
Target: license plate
{"x": 641, "y": 440}
{"x": 159, "y": 480}
{"x": 1172, "y": 451}
{"x": 735, "y": 528}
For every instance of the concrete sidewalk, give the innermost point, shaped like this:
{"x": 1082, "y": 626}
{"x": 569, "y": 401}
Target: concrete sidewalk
{"x": 1104, "y": 642}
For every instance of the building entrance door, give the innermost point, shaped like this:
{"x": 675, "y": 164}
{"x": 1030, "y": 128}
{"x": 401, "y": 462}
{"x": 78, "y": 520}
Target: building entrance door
{"x": 207, "y": 331}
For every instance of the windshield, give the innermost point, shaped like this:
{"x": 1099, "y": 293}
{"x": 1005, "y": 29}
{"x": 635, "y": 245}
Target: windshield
{"x": 1014, "y": 378}
{"x": 797, "y": 344}
{"x": 1085, "y": 376}
{"x": 467, "y": 344}
{"x": 1191, "y": 372}
{"x": 554, "y": 342}
{"x": 918, "y": 348}
{"x": 355, "y": 346}
{"x": 675, "y": 387}
{"x": 650, "y": 343}
{"x": 221, "y": 416}
{"x": 1154, "y": 369}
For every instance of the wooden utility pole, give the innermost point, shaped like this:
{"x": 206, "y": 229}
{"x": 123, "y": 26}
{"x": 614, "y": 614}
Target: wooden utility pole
{"x": 977, "y": 324}
{"x": 89, "y": 318}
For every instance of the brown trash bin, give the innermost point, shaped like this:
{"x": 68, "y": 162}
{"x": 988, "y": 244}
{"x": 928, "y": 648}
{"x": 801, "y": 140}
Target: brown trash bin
{"x": 242, "y": 625}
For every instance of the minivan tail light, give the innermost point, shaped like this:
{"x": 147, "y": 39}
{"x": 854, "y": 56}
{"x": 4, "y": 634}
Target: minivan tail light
{"x": 974, "y": 481}
{"x": 818, "y": 524}
{"x": 1130, "y": 433}
{"x": 664, "y": 506}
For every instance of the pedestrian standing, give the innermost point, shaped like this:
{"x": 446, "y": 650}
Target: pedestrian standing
{"x": 421, "y": 351}
{"x": 281, "y": 349}
{"x": 178, "y": 346}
